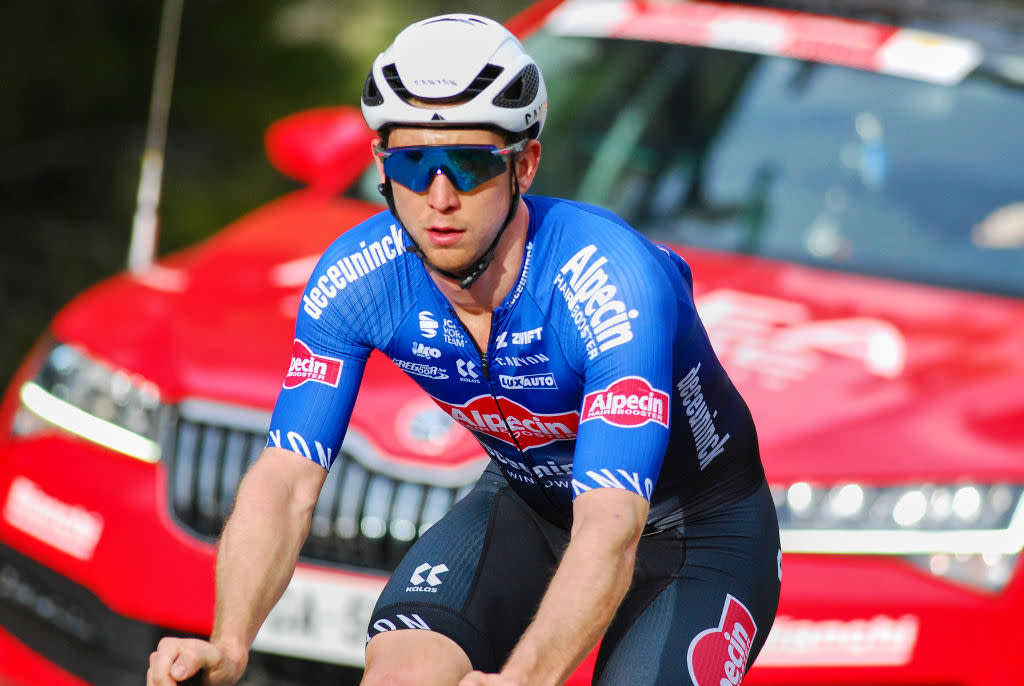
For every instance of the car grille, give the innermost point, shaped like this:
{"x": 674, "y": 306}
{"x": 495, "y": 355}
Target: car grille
{"x": 365, "y": 517}
{"x": 70, "y": 627}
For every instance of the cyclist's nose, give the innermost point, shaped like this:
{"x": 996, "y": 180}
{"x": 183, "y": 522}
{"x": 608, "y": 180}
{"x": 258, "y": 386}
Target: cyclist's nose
{"x": 442, "y": 194}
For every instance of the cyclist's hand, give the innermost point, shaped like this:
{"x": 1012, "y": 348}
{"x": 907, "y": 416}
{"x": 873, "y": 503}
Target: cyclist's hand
{"x": 177, "y": 659}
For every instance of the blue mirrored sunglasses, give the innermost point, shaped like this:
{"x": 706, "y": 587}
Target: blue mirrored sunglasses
{"x": 466, "y": 166}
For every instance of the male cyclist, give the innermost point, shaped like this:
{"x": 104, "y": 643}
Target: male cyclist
{"x": 625, "y": 501}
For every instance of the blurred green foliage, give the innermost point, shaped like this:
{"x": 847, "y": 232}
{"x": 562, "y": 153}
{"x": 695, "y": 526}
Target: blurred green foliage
{"x": 75, "y": 83}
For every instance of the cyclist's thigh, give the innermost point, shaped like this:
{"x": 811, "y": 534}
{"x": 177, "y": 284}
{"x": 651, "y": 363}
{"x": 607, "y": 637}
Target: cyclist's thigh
{"x": 708, "y": 620}
{"x": 476, "y": 576}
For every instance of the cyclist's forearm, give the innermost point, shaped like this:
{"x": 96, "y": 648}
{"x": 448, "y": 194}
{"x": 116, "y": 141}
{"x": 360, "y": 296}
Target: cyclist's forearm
{"x": 256, "y": 555}
{"x": 593, "y": 577}
{"x": 575, "y": 612}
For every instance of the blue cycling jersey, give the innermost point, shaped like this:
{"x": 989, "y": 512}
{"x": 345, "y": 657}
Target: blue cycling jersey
{"x": 598, "y": 372}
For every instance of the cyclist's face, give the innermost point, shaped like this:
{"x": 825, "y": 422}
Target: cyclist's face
{"x": 455, "y": 227}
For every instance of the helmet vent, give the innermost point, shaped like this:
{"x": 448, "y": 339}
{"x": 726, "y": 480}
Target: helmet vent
{"x": 371, "y": 94}
{"x": 395, "y": 81}
{"x": 484, "y": 79}
{"x": 521, "y": 91}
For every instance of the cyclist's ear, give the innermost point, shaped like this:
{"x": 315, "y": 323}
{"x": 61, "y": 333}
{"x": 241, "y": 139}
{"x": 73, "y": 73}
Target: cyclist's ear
{"x": 526, "y": 164}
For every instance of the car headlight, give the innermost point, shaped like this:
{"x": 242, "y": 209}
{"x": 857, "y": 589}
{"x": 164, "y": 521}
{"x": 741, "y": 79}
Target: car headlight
{"x": 967, "y": 532}
{"x": 91, "y": 399}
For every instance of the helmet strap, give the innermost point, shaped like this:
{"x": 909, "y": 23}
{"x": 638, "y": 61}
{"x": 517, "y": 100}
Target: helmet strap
{"x": 466, "y": 277}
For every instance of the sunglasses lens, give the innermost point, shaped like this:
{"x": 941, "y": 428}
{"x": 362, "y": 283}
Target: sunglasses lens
{"x": 465, "y": 166}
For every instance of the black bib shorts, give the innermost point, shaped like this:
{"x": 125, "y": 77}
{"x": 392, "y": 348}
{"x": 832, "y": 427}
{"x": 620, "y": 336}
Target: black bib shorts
{"x": 703, "y": 598}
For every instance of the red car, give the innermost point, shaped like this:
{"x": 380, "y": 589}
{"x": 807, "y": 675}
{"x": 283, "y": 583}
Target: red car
{"x": 847, "y": 188}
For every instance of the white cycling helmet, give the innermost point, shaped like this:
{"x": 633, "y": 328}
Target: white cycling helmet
{"x": 472, "y": 65}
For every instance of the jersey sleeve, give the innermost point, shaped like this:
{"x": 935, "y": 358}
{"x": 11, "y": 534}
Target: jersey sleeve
{"x": 329, "y": 354}
{"x": 625, "y": 306}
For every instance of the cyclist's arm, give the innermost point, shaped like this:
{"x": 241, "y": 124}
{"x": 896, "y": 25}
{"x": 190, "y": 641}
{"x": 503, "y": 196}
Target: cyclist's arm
{"x": 260, "y": 545}
{"x": 255, "y": 560}
{"x": 586, "y": 590}
{"x": 613, "y": 444}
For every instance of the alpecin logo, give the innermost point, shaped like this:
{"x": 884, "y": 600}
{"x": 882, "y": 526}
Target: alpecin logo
{"x": 718, "y": 657}
{"x": 308, "y": 366}
{"x": 524, "y": 428}
{"x": 631, "y": 401}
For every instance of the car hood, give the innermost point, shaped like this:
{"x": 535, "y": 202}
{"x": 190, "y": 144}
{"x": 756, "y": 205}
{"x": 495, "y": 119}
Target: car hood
{"x": 216, "y": 323}
{"x": 848, "y": 377}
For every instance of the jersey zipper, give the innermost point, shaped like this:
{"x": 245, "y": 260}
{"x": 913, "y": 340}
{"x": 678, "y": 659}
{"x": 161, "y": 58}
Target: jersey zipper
{"x": 490, "y": 389}
{"x": 484, "y": 368}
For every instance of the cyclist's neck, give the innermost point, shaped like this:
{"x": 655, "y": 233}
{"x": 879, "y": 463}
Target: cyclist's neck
{"x": 491, "y": 287}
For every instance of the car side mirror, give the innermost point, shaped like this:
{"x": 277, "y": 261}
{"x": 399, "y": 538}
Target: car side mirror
{"x": 326, "y": 148}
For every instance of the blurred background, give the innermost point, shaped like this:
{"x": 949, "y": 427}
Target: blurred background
{"x": 75, "y": 86}
{"x": 897, "y": 475}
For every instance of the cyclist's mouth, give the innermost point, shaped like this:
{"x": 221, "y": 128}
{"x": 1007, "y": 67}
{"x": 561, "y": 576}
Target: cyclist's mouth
{"x": 444, "y": 235}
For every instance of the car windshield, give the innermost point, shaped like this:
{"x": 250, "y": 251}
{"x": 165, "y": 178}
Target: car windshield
{"x": 790, "y": 159}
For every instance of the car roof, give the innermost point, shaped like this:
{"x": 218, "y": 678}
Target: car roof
{"x": 994, "y": 25}
{"x": 934, "y": 40}
{"x": 998, "y": 25}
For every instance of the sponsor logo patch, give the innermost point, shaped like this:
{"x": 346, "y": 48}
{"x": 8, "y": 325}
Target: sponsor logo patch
{"x": 398, "y": 621}
{"x": 421, "y": 350}
{"x": 601, "y": 318}
{"x": 336, "y": 277}
{"x": 528, "y": 381}
{"x": 706, "y": 437}
{"x": 308, "y": 366}
{"x": 718, "y": 656}
{"x": 631, "y": 401}
{"x": 298, "y": 444}
{"x": 429, "y": 371}
{"x": 513, "y": 423}
{"x": 426, "y": 578}
{"x": 516, "y": 361}
{"x": 467, "y": 371}
{"x": 453, "y": 334}
{"x": 519, "y": 337}
{"x": 428, "y": 324}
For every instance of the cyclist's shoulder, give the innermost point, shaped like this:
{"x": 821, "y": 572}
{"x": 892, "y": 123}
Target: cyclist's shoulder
{"x": 572, "y": 235}
{"x": 366, "y": 263}
{"x": 574, "y": 214}
{"x": 379, "y": 233}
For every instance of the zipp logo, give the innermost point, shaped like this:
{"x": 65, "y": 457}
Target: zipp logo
{"x": 432, "y": 578}
{"x": 631, "y": 401}
{"x": 718, "y": 656}
{"x": 512, "y": 423}
{"x": 428, "y": 325}
{"x": 308, "y": 366}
